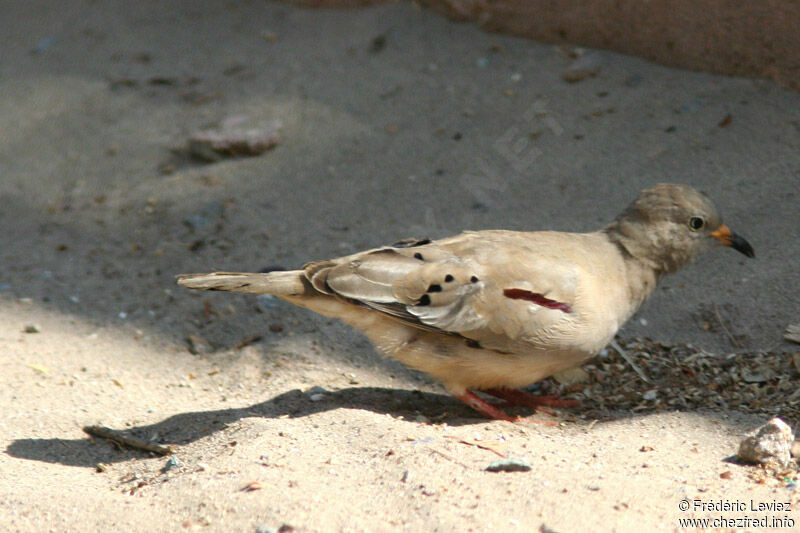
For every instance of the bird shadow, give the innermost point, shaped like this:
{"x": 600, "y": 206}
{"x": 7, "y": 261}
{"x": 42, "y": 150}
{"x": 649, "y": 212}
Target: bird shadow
{"x": 185, "y": 428}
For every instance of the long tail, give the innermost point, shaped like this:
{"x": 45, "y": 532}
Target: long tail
{"x": 278, "y": 283}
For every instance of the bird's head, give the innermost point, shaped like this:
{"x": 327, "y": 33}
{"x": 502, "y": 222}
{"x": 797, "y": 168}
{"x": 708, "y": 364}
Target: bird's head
{"x": 669, "y": 225}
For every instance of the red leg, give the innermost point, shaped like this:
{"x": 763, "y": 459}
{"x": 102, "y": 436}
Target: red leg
{"x": 484, "y": 407}
{"x": 517, "y": 397}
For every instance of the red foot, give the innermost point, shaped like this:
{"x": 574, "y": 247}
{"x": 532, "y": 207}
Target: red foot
{"x": 484, "y": 407}
{"x": 517, "y": 397}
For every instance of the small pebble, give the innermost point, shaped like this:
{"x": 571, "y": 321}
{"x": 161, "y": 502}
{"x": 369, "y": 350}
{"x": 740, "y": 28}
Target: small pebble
{"x": 771, "y": 443}
{"x": 210, "y": 212}
{"x": 236, "y": 136}
{"x": 650, "y": 395}
{"x": 198, "y": 345}
{"x": 760, "y": 375}
{"x": 544, "y": 528}
{"x": 172, "y": 463}
{"x": 316, "y": 393}
{"x": 509, "y": 465}
{"x": 584, "y": 67}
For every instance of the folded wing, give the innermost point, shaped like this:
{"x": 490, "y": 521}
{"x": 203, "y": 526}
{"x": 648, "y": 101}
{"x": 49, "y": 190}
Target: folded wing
{"x": 491, "y": 287}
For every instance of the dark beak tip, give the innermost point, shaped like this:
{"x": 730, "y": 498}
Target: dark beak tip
{"x": 741, "y": 245}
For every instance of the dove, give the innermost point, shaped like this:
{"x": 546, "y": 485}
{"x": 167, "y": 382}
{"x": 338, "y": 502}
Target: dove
{"x": 492, "y": 311}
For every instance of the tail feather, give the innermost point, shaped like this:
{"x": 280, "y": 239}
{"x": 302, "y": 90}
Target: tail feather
{"x": 277, "y": 283}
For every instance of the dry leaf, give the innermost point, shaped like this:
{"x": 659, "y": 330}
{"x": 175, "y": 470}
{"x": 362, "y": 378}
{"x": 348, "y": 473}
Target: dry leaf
{"x": 792, "y": 333}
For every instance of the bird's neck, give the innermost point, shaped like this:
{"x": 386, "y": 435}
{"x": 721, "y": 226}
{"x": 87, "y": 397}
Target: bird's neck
{"x": 640, "y": 244}
{"x": 641, "y": 280}
{"x": 643, "y": 269}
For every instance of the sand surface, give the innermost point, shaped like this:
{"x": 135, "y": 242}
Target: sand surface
{"x": 394, "y": 123}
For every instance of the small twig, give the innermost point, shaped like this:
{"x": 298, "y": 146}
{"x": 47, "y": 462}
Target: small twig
{"x": 721, "y": 323}
{"x": 489, "y": 446}
{"x": 449, "y": 457}
{"x": 628, "y": 360}
{"x": 131, "y": 442}
{"x": 246, "y": 342}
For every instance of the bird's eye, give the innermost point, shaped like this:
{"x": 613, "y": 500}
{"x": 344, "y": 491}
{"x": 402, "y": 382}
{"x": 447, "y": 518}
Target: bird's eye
{"x": 696, "y": 223}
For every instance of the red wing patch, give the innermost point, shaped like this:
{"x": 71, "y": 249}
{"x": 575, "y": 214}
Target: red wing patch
{"x": 538, "y": 299}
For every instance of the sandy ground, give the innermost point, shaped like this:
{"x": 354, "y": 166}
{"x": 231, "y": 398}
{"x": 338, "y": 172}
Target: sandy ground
{"x": 395, "y": 123}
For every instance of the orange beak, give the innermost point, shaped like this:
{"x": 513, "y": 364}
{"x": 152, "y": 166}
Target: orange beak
{"x": 728, "y": 238}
